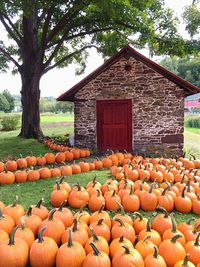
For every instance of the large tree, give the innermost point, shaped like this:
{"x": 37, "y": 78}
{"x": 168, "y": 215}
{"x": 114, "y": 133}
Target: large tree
{"x": 45, "y": 34}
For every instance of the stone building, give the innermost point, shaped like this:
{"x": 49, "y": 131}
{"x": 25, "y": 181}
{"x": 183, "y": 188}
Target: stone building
{"x": 130, "y": 103}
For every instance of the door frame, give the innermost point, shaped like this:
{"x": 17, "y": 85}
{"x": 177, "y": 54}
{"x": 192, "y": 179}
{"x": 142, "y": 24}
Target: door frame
{"x": 98, "y": 118}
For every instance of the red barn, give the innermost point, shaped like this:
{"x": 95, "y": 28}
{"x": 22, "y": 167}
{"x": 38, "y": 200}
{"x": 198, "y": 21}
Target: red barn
{"x": 130, "y": 102}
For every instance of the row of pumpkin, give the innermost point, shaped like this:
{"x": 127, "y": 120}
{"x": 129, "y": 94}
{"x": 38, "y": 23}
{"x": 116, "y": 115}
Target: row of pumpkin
{"x": 96, "y": 239}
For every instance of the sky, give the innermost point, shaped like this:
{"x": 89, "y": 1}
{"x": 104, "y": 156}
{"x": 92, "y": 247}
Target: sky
{"x": 57, "y": 81}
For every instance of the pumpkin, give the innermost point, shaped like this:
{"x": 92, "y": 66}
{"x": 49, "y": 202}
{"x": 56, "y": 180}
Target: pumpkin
{"x": 66, "y": 170}
{"x": 154, "y": 259}
{"x": 45, "y": 173}
{"x": 76, "y": 152}
{"x": 21, "y": 176}
{"x": 63, "y": 185}
{"x": 196, "y": 206}
{"x": 69, "y": 156}
{"x": 43, "y": 251}
{"x": 15, "y": 210}
{"x": 111, "y": 201}
{"x": 162, "y": 221}
{"x": 70, "y": 254}
{"x": 25, "y": 233}
{"x": 166, "y": 200}
{"x": 172, "y": 251}
{"x": 76, "y": 169}
{"x": 11, "y": 165}
{"x": 96, "y": 201}
{"x": 139, "y": 222}
{"x": 123, "y": 228}
{"x": 31, "y": 161}
{"x": 117, "y": 243}
{"x": 14, "y": 251}
{"x": 101, "y": 229}
{"x": 131, "y": 202}
{"x": 60, "y": 157}
{"x": 21, "y": 163}
{"x": 99, "y": 241}
{"x": 55, "y": 172}
{"x": 193, "y": 250}
{"x": 7, "y": 177}
{"x": 41, "y": 161}
{"x": 145, "y": 247}
{"x": 85, "y": 167}
{"x": 82, "y": 215}
{"x": 127, "y": 257}
{"x": 78, "y": 197}
{"x": 58, "y": 196}
{"x": 154, "y": 235}
{"x": 148, "y": 200}
{"x": 40, "y": 210}
{"x": 107, "y": 162}
{"x": 183, "y": 203}
{"x": 31, "y": 221}
{"x": 7, "y": 223}
{"x": 64, "y": 214}
{"x": 97, "y": 258}
{"x": 184, "y": 263}
{"x": 185, "y": 226}
{"x": 101, "y": 213}
{"x": 98, "y": 164}
{"x": 169, "y": 233}
{"x": 79, "y": 234}
{"x": 33, "y": 175}
{"x": 1, "y": 166}
{"x": 122, "y": 216}
{"x": 54, "y": 227}
{"x": 50, "y": 158}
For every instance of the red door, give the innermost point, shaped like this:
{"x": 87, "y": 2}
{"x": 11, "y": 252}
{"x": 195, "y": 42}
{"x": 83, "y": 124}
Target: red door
{"x": 114, "y": 124}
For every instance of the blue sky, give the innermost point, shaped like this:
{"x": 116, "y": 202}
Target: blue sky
{"x": 58, "y": 81}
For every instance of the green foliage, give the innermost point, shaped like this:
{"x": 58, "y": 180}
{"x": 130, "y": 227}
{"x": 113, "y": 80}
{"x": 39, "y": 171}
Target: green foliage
{"x": 192, "y": 122}
{"x": 6, "y": 101}
{"x": 187, "y": 68}
{"x": 10, "y": 123}
{"x": 191, "y": 16}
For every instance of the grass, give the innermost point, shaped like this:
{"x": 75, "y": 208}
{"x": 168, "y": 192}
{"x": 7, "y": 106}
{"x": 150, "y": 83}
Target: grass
{"x": 30, "y": 193}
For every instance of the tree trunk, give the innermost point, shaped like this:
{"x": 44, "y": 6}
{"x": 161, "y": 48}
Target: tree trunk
{"x": 30, "y": 96}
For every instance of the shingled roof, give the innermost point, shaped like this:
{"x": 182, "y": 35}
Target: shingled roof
{"x": 128, "y": 51}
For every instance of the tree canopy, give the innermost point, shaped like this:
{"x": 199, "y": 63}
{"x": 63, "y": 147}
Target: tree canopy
{"x": 7, "y": 101}
{"x": 45, "y": 34}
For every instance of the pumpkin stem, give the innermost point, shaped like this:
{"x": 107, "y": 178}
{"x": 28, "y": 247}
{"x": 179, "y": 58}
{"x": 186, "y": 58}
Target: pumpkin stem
{"x": 174, "y": 238}
{"x": 70, "y": 241}
{"x": 173, "y": 224}
{"x": 95, "y": 249}
{"x": 185, "y": 261}
{"x": 62, "y": 205}
{"x": 101, "y": 208}
{"x": 78, "y": 186}
{"x": 151, "y": 188}
{"x": 196, "y": 243}
{"x": 40, "y": 234}
{"x": 114, "y": 193}
{"x": 62, "y": 179}
{"x": 29, "y": 211}
{"x": 119, "y": 221}
{"x": 38, "y": 205}
{"x": 95, "y": 238}
{"x": 98, "y": 192}
{"x": 22, "y": 223}
{"x": 148, "y": 229}
{"x": 12, "y": 237}
{"x": 183, "y": 192}
{"x": 58, "y": 185}
{"x": 127, "y": 250}
{"x": 121, "y": 207}
{"x": 131, "y": 190}
{"x": 155, "y": 254}
{"x": 94, "y": 179}
{"x": 188, "y": 221}
{"x": 139, "y": 215}
{"x": 75, "y": 226}
{"x": 146, "y": 238}
{"x": 82, "y": 208}
{"x": 163, "y": 210}
{"x": 121, "y": 239}
{"x": 51, "y": 213}
{"x": 100, "y": 221}
{"x": 165, "y": 190}
{"x": 188, "y": 186}
{"x": 15, "y": 202}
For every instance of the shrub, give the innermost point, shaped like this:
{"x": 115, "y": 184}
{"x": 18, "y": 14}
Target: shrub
{"x": 192, "y": 122}
{"x": 10, "y": 123}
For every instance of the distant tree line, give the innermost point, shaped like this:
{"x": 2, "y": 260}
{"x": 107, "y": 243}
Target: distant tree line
{"x": 188, "y": 68}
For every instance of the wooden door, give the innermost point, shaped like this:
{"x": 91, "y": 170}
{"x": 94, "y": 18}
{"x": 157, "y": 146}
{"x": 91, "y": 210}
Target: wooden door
{"x": 114, "y": 124}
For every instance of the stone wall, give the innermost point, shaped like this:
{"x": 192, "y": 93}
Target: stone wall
{"x": 157, "y": 106}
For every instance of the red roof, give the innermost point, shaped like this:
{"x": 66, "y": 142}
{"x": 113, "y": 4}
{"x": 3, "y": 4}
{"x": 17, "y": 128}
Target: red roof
{"x": 129, "y": 51}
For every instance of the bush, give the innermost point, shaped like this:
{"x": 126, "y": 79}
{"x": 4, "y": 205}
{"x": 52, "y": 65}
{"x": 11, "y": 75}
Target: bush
{"x": 193, "y": 122}
{"x": 9, "y": 123}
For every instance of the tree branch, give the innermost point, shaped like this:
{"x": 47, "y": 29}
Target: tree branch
{"x": 69, "y": 56}
{"x": 7, "y": 54}
{"x": 9, "y": 30}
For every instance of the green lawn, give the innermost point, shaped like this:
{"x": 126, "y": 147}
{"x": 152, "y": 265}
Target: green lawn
{"x": 192, "y": 141}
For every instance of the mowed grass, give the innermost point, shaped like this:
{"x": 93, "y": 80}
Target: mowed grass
{"x": 30, "y": 193}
